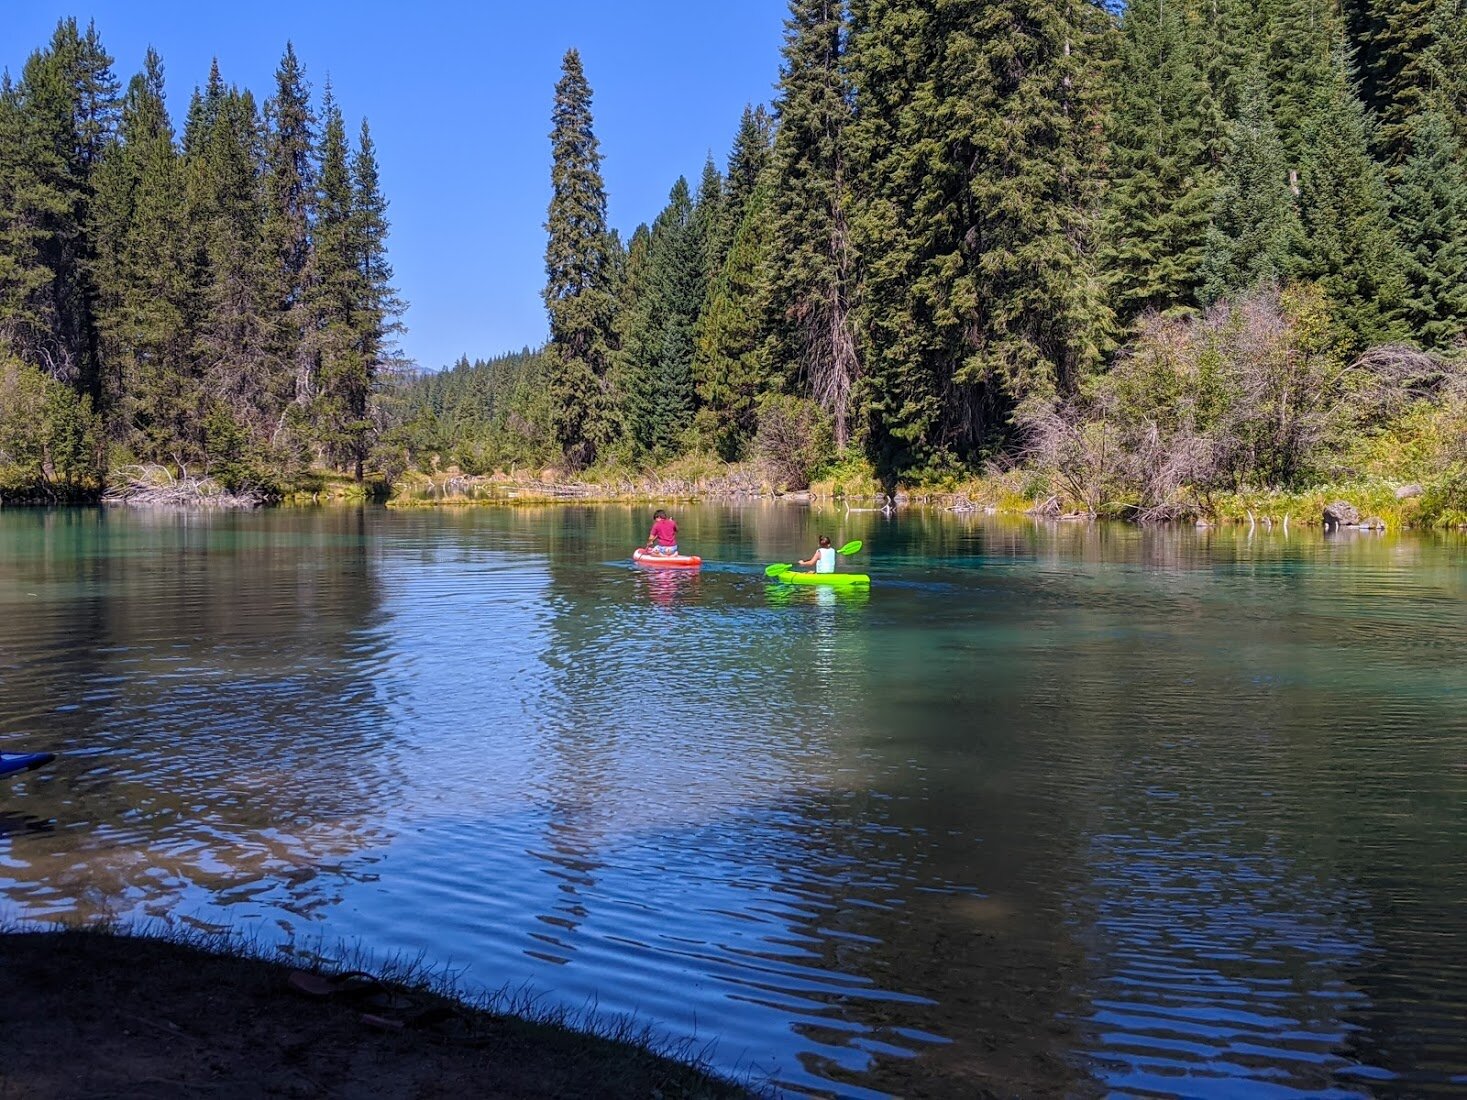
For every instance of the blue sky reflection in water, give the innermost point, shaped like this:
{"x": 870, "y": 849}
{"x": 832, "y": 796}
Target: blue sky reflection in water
{"x": 1050, "y": 809}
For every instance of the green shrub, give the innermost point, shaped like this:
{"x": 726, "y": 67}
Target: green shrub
{"x": 50, "y": 437}
{"x": 794, "y": 437}
{"x": 1444, "y": 501}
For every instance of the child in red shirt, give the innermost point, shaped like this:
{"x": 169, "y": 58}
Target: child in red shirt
{"x": 663, "y": 537}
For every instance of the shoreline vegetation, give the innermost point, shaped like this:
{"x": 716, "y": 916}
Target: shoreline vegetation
{"x": 99, "y": 1012}
{"x": 1363, "y": 503}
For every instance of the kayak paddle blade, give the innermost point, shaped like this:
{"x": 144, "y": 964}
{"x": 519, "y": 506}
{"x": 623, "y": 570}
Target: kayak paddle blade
{"x": 776, "y": 569}
{"x": 850, "y": 547}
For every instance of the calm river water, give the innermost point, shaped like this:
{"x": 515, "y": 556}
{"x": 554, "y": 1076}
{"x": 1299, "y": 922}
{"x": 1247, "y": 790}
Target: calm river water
{"x": 1051, "y": 810}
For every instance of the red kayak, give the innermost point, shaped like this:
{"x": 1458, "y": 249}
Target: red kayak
{"x": 666, "y": 561}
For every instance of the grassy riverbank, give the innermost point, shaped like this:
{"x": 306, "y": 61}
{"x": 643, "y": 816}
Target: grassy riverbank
{"x": 94, "y": 1013}
{"x": 1392, "y": 480}
{"x": 1434, "y": 502}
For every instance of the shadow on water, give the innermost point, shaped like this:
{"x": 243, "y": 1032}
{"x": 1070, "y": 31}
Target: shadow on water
{"x": 1051, "y": 809}
{"x": 194, "y": 673}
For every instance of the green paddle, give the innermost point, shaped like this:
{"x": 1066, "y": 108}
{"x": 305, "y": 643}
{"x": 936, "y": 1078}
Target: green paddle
{"x": 780, "y": 567}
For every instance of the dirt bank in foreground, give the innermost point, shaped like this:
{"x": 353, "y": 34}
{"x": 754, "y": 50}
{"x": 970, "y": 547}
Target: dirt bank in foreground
{"x": 91, "y": 1015}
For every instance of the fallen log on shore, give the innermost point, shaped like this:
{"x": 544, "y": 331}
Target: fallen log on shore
{"x": 154, "y": 486}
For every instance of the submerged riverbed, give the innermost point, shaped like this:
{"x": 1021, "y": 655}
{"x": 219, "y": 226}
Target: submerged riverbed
{"x": 1050, "y": 809}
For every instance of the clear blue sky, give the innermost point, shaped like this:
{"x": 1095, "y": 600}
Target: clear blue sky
{"x": 458, "y": 96}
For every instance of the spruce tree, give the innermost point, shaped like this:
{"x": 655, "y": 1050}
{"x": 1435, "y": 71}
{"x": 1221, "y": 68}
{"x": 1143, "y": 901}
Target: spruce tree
{"x": 290, "y": 196}
{"x": 747, "y": 162}
{"x": 1255, "y": 227}
{"x": 336, "y": 299}
{"x": 144, "y": 291}
{"x": 235, "y": 328}
{"x": 58, "y": 121}
{"x": 660, "y": 396}
{"x": 1348, "y": 244}
{"x": 708, "y": 215}
{"x": 1397, "y": 43}
{"x": 578, "y": 290}
{"x": 631, "y": 327}
{"x": 1303, "y": 39}
{"x": 727, "y": 363}
{"x": 85, "y": 71}
{"x": 811, "y": 331}
{"x": 981, "y": 299}
{"x": 203, "y": 112}
{"x": 1162, "y": 180}
{"x": 747, "y": 159}
{"x": 1445, "y": 66}
{"x": 378, "y": 312}
{"x": 725, "y": 355}
{"x": 29, "y": 203}
{"x": 1229, "y": 37}
{"x": 1431, "y": 212}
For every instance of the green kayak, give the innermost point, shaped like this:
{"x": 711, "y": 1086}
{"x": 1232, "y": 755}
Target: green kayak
{"x": 835, "y": 580}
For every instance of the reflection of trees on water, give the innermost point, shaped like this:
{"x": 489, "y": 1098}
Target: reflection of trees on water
{"x": 50, "y": 596}
{"x": 1234, "y": 746}
{"x": 221, "y": 735}
{"x": 1071, "y": 686}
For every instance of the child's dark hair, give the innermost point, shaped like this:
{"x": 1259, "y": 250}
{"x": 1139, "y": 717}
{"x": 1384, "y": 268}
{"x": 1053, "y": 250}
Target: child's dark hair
{"x": 824, "y": 541}
{"x": 659, "y": 514}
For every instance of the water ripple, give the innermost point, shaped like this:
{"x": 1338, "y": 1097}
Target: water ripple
{"x": 1049, "y": 811}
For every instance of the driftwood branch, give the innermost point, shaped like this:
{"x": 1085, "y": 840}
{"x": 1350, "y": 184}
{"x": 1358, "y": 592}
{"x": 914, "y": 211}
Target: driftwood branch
{"x": 154, "y": 486}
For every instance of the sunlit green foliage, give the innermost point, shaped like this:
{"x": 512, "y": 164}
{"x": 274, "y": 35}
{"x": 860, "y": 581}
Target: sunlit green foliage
{"x": 1161, "y": 233}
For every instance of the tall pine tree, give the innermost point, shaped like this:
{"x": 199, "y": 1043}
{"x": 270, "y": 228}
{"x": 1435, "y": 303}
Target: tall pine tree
{"x": 1159, "y": 203}
{"x": 1445, "y": 66}
{"x": 811, "y": 330}
{"x": 336, "y": 298}
{"x": 1431, "y": 212}
{"x": 55, "y": 125}
{"x": 144, "y": 288}
{"x": 1230, "y": 35}
{"x": 747, "y": 162}
{"x": 290, "y": 198}
{"x": 978, "y": 131}
{"x": 379, "y": 311}
{"x": 578, "y": 288}
{"x": 1303, "y": 38}
{"x": 235, "y": 330}
{"x": 708, "y": 215}
{"x": 1400, "y": 45}
{"x": 726, "y": 359}
{"x": 727, "y": 364}
{"x": 659, "y": 398}
{"x": 631, "y": 330}
{"x": 1348, "y": 245}
{"x": 1255, "y": 227}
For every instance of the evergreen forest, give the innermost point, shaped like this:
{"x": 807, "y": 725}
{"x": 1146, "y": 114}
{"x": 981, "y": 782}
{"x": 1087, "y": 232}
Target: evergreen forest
{"x": 217, "y": 302}
{"x": 1153, "y": 259}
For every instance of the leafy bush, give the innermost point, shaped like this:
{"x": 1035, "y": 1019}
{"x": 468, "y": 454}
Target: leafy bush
{"x": 1444, "y": 502}
{"x": 793, "y": 438}
{"x": 50, "y": 439}
{"x": 849, "y": 475}
{"x": 1255, "y": 393}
